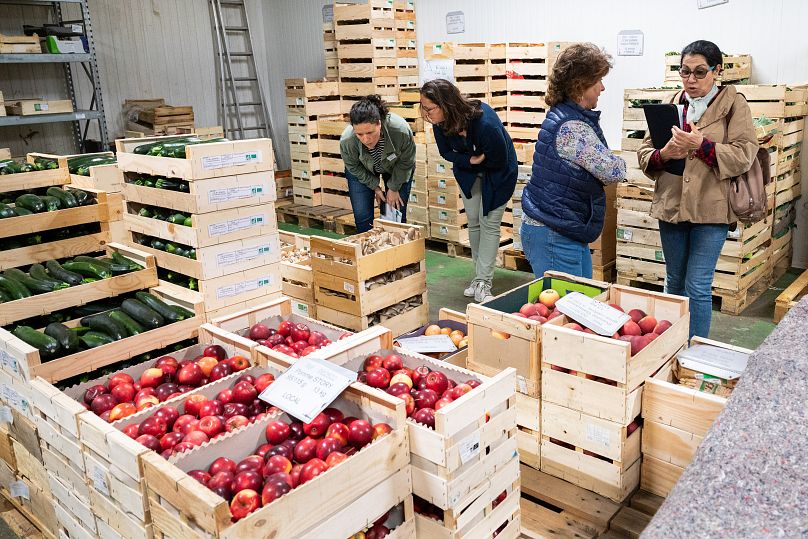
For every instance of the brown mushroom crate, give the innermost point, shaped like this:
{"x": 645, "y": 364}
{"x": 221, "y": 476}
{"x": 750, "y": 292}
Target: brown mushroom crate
{"x": 413, "y": 313}
{"x": 298, "y": 276}
{"x": 24, "y": 362}
{"x": 207, "y": 228}
{"x": 477, "y": 515}
{"x": 42, "y": 304}
{"x": 212, "y": 160}
{"x": 617, "y": 397}
{"x": 208, "y": 195}
{"x": 499, "y": 339}
{"x": 473, "y": 437}
{"x": 181, "y": 508}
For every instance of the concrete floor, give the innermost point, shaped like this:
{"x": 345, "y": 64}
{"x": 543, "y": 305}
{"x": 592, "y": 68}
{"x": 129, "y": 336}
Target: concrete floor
{"x": 447, "y": 277}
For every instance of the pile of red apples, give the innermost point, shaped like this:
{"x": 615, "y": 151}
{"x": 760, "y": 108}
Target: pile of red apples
{"x": 640, "y": 331}
{"x": 289, "y": 338}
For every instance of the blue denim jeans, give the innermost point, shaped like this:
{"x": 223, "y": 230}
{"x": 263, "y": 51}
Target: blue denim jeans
{"x": 691, "y": 253}
{"x": 363, "y": 202}
{"x": 546, "y": 249}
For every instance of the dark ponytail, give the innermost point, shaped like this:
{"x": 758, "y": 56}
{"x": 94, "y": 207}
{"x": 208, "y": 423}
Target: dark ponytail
{"x": 368, "y": 110}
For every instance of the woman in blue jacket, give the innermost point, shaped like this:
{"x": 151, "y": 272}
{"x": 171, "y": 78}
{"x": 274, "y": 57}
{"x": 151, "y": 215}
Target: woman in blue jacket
{"x": 470, "y": 135}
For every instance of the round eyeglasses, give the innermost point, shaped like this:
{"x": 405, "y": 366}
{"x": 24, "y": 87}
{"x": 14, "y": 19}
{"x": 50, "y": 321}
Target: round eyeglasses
{"x": 700, "y": 72}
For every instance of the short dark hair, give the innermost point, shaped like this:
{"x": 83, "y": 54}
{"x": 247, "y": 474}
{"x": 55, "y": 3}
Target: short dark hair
{"x": 578, "y": 67}
{"x": 371, "y": 109}
{"x": 708, "y": 49}
{"x": 458, "y": 110}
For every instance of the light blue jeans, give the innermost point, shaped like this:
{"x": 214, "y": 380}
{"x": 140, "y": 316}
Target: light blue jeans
{"x": 546, "y": 249}
{"x": 691, "y": 253}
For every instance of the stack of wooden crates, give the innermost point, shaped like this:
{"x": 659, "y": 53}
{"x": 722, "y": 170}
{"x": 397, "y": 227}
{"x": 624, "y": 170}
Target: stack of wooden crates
{"x": 231, "y": 248}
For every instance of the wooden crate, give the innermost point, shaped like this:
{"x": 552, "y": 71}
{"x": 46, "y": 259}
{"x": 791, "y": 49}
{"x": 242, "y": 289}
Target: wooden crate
{"x": 790, "y": 296}
{"x": 413, "y": 313}
{"x": 676, "y": 419}
{"x": 618, "y": 398}
{"x": 73, "y": 514}
{"x": 298, "y": 277}
{"x": 180, "y": 508}
{"x": 201, "y": 161}
{"x": 20, "y": 44}
{"x": 34, "y": 107}
{"x": 451, "y": 319}
{"x": 107, "y": 178}
{"x": 207, "y": 195}
{"x": 498, "y": 339}
{"x": 29, "y": 491}
{"x": 736, "y": 68}
{"x": 207, "y": 228}
{"x": 216, "y": 260}
{"x": 43, "y": 304}
{"x": 775, "y": 101}
{"x": 24, "y": 362}
{"x": 106, "y": 210}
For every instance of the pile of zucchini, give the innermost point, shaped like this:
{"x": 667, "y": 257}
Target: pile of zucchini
{"x": 164, "y": 214}
{"x": 10, "y": 166}
{"x": 191, "y": 283}
{"x": 168, "y": 246}
{"x": 174, "y": 147}
{"x": 16, "y": 284}
{"x": 81, "y": 164}
{"x": 161, "y": 182}
{"x": 135, "y": 315}
{"x": 55, "y": 198}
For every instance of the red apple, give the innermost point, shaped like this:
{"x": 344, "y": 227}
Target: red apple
{"x": 542, "y": 310}
{"x": 236, "y": 422}
{"x": 147, "y": 401}
{"x": 474, "y": 383}
{"x": 244, "y": 503}
{"x": 662, "y": 326}
{"x": 170, "y": 439}
{"x": 443, "y": 401}
{"x": 555, "y": 314}
{"x": 92, "y": 392}
{"x": 181, "y": 447}
{"x": 373, "y": 362}
{"x": 573, "y": 326}
{"x": 647, "y": 324}
{"x": 168, "y": 365}
{"x": 317, "y": 339}
{"x": 196, "y": 437}
{"x": 103, "y": 402}
{"x": 274, "y": 490}
{"x": 209, "y": 408}
{"x": 200, "y": 475}
{"x": 460, "y": 390}
{"x": 380, "y": 429}
{"x": 528, "y": 309}
{"x": 393, "y": 362}
{"x": 285, "y": 328}
{"x": 409, "y": 403}
{"x": 235, "y": 408}
{"x": 155, "y": 426}
{"x": 334, "y": 415}
{"x": 244, "y": 392}
{"x": 250, "y": 463}
{"x": 277, "y": 432}
{"x": 361, "y": 433}
{"x": 165, "y": 391}
{"x": 379, "y": 378}
{"x": 335, "y": 458}
{"x": 239, "y": 363}
{"x": 220, "y": 370}
{"x": 133, "y": 430}
{"x": 312, "y": 469}
{"x": 276, "y": 464}
{"x": 147, "y": 440}
{"x": 397, "y": 389}
{"x": 616, "y": 306}
{"x": 301, "y": 332}
{"x": 637, "y": 344}
{"x": 222, "y": 478}
{"x": 340, "y": 432}
{"x": 437, "y": 382}
{"x": 263, "y": 381}
{"x": 182, "y": 423}
{"x": 169, "y": 414}
{"x": 211, "y": 425}
{"x": 214, "y": 350}
{"x": 259, "y": 332}
{"x": 636, "y": 315}
{"x": 152, "y": 377}
{"x": 225, "y": 396}
{"x": 124, "y": 409}
{"x": 222, "y": 464}
{"x": 326, "y": 446}
{"x": 190, "y": 375}
{"x": 305, "y": 450}
{"x": 193, "y": 404}
{"x": 206, "y": 363}
{"x": 631, "y": 428}
{"x": 425, "y": 398}
{"x": 630, "y": 328}
{"x": 119, "y": 378}
{"x": 318, "y": 426}
{"x": 425, "y": 416}
{"x": 419, "y": 373}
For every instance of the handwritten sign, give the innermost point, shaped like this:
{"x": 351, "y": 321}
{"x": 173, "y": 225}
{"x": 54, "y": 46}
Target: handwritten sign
{"x": 428, "y": 344}
{"x": 437, "y": 69}
{"x": 597, "y": 316}
{"x": 308, "y": 387}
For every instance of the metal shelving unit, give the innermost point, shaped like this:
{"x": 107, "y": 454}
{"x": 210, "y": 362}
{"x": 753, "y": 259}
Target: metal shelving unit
{"x": 89, "y": 65}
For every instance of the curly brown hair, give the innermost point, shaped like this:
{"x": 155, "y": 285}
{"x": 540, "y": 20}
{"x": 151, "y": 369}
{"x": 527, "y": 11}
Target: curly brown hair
{"x": 577, "y": 68}
{"x": 458, "y": 110}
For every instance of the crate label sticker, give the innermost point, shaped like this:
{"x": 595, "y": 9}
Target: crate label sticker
{"x": 304, "y": 174}
{"x": 234, "y": 225}
{"x": 437, "y": 48}
{"x": 659, "y": 255}
{"x": 9, "y": 361}
{"x": 41, "y": 106}
{"x": 624, "y": 234}
{"x": 411, "y": 43}
{"x": 391, "y": 42}
{"x": 441, "y": 184}
{"x": 600, "y": 317}
{"x": 444, "y": 230}
{"x": 597, "y": 434}
{"x": 348, "y": 287}
{"x": 414, "y": 198}
{"x": 243, "y": 287}
{"x": 212, "y": 162}
{"x": 15, "y": 400}
{"x": 99, "y": 478}
{"x": 308, "y": 387}
{"x": 440, "y": 168}
{"x": 444, "y": 215}
{"x": 441, "y": 199}
{"x": 522, "y": 383}
{"x": 6, "y": 416}
{"x": 300, "y": 308}
{"x": 410, "y": 25}
{"x": 19, "y": 490}
{"x": 298, "y": 101}
{"x": 469, "y": 447}
{"x": 216, "y": 196}
{"x": 241, "y": 255}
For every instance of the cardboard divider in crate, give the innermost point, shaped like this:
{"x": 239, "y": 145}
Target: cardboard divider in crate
{"x": 473, "y": 437}
{"x": 180, "y": 507}
{"x": 676, "y": 419}
{"x": 609, "y": 380}
{"x": 207, "y": 195}
{"x": 211, "y": 160}
{"x": 43, "y": 304}
{"x": 106, "y": 210}
{"x": 35, "y": 179}
{"x": 447, "y": 318}
{"x": 24, "y": 362}
{"x": 271, "y": 314}
{"x": 206, "y": 228}
{"x": 106, "y": 177}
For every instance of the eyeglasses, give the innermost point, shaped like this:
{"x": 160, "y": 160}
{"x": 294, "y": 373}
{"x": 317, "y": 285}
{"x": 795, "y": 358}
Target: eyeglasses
{"x": 699, "y": 72}
{"x": 428, "y": 110}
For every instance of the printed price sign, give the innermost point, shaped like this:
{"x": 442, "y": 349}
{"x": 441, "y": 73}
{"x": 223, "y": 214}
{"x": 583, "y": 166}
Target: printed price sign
{"x": 428, "y": 344}
{"x": 308, "y": 387}
{"x": 597, "y": 316}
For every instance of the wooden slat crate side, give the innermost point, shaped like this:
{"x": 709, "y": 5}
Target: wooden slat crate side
{"x": 402, "y": 323}
{"x": 657, "y": 476}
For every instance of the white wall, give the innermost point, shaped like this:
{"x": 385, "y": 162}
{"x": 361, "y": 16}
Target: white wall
{"x": 773, "y": 32}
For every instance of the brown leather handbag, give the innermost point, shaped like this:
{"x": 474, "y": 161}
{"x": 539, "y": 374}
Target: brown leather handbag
{"x": 747, "y": 192}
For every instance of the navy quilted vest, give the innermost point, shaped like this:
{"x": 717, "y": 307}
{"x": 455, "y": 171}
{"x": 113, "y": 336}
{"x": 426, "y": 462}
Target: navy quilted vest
{"x": 560, "y": 194}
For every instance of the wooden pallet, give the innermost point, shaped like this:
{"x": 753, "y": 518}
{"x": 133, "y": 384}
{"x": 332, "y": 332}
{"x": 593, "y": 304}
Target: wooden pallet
{"x": 454, "y": 249}
{"x": 790, "y": 296}
{"x": 19, "y": 522}
{"x": 322, "y": 217}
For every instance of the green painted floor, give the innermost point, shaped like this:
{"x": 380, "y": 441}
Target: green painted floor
{"x": 447, "y": 277}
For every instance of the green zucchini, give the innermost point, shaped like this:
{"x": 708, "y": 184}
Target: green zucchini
{"x": 79, "y": 330}
{"x": 145, "y": 212}
{"x": 66, "y": 198}
{"x": 13, "y": 287}
{"x": 165, "y": 183}
{"x": 45, "y": 163}
{"x": 30, "y": 202}
{"x": 68, "y": 340}
{"x": 21, "y": 212}
{"x": 158, "y": 305}
{"x": 127, "y": 322}
{"x": 94, "y": 339}
{"x": 182, "y": 311}
{"x": 51, "y": 203}
{"x": 189, "y": 221}
{"x": 6, "y": 211}
{"x": 158, "y": 244}
{"x": 118, "y": 258}
{"x": 177, "y": 219}
{"x": 5, "y": 296}
{"x": 103, "y": 323}
{"x": 47, "y": 345}
{"x": 83, "y": 198}
{"x": 88, "y": 269}
{"x": 58, "y": 272}
{"x": 34, "y": 285}
{"x": 37, "y": 271}
{"x": 146, "y": 316}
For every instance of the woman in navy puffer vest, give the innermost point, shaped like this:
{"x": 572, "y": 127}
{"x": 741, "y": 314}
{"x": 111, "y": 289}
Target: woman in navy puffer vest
{"x": 564, "y": 203}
